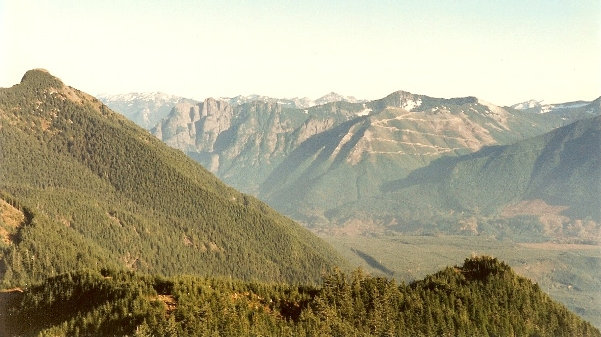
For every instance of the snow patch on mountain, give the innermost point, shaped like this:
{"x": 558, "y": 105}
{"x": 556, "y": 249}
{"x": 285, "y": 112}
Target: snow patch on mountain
{"x": 295, "y": 102}
{"x": 571, "y": 105}
{"x": 497, "y": 113}
{"x": 366, "y": 111}
{"x": 411, "y": 104}
{"x": 539, "y": 107}
{"x": 155, "y": 96}
{"x": 144, "y": 108}
{"x": 527, "y": 105}
{"x": 335, "y": 97}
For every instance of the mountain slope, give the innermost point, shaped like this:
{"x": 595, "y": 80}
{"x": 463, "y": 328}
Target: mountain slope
{"x": 95, "y": 189}
{"x": 560, "y": 171}
{"x": 244, "y": 142}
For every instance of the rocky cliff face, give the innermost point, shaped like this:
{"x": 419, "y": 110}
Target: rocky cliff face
{"x": 243, "y": 143}
{"x": 195, "y": 126}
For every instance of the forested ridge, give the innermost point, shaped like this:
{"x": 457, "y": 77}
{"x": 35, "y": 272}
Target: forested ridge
{"x": 93, "y": 189}
{"x": 484, "y": 297}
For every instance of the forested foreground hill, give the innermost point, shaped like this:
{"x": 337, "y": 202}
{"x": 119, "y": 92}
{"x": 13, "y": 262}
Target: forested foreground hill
{"x": 82, "y": 187}
{"x": 484, "y": 297}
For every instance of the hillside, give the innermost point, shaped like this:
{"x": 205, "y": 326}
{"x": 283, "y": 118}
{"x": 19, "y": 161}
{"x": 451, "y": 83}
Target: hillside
{"x": 480, "y": 298}
{"x": 554, "y": 178}
{"x": 81, "y": 187}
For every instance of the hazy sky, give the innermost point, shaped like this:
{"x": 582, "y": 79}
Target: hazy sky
{"x": 500, "y": 51}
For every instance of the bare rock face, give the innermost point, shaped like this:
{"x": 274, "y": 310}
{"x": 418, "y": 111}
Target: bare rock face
{"x": 312, "y": 127}
{"x": 195, "y": 127}
{"x": 215, "y": 117}
{"x": 178, "y": 130}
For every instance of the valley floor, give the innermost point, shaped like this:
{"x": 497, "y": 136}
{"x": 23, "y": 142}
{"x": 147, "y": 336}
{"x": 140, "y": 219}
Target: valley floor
{"x": 570, "y": 273}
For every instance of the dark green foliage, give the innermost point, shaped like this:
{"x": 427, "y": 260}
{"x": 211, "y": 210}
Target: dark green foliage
{"x": 481, "y": 298}
{"x": 86, "y": 303}
{"x": 101, "y": 191}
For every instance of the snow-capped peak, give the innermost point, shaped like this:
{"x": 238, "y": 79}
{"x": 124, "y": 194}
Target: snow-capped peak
{"x": 139, "y": 96}
{"x": 296, "y": 102}
{"x": 366, "y": 111}
{"x": 531, "y": 104}
{"x": 335, "y": 97}
{"x": 411, "y": 104}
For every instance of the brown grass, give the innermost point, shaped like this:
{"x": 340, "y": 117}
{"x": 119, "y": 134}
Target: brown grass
{"x": 169, "y": 301}
{"x": 12, "y": 218}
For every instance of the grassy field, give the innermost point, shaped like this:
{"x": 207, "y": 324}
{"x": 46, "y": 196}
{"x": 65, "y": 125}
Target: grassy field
{"x": 570, "y": 273}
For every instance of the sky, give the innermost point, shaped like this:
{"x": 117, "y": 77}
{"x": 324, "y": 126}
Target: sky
{"x": 504, "y": 52}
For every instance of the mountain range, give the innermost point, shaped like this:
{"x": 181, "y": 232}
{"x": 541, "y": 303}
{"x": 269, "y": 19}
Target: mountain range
{"x": 345, "y": 152}
{"x": 147, "y": 109}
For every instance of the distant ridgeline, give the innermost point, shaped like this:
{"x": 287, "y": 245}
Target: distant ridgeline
{"x": 481, "y": 298}
{"x": 82, "y": 187}
{"x": 405, "y": 162}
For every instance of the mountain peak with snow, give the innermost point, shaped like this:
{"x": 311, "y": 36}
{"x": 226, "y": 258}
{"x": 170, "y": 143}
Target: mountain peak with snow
{"x": 530, "y": 104}
{"x": 144, "y": 108}
{"x": 139, "y": 96}
{"x": 539, "y": 107}
{"x": 335, "y": 97}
